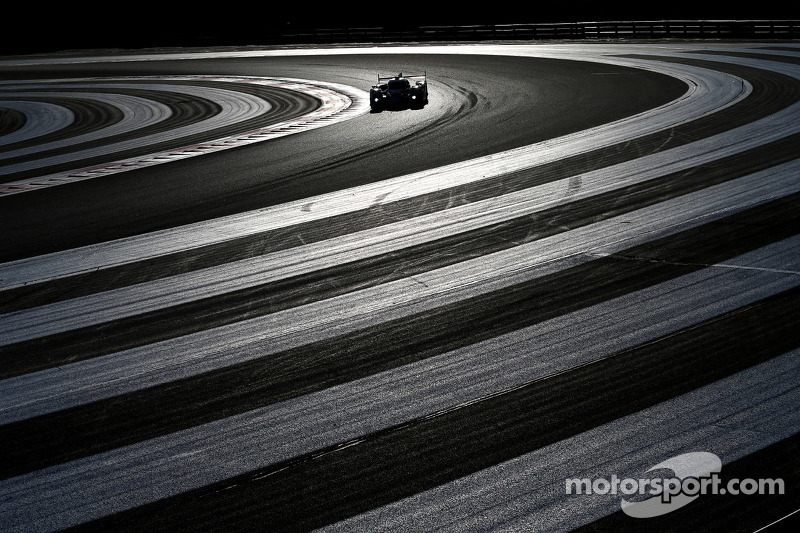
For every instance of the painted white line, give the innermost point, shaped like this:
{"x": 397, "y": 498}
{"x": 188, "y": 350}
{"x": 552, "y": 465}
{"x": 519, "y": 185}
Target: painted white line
{"x": 777, "y": 521}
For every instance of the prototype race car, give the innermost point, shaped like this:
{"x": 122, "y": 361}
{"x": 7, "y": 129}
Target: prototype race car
{"x": 399, "y": 92}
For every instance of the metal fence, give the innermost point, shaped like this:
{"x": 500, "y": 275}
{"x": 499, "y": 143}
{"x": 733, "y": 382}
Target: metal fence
{"x": 661, "y": 29}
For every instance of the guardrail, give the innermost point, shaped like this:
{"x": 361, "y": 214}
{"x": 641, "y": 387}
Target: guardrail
{"x": 662, "y": 29}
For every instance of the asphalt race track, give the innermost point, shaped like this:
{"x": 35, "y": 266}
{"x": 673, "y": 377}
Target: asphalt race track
{"x": 233, "y": 298}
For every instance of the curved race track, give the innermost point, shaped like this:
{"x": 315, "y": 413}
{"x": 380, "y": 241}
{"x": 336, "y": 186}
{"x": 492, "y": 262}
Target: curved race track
{"x": 232, "y": 297}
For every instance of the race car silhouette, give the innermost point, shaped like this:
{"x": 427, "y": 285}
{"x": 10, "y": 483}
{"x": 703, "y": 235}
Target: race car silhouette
{"x": 399, "y": 92}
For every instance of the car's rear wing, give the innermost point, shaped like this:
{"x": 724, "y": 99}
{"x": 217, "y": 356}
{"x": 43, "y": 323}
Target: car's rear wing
{"x": 418, "y": 77}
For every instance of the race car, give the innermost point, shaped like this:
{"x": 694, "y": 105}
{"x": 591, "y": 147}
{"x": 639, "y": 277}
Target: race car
{"x": 399, "y": 92}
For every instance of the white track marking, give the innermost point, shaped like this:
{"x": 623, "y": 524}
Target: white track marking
{"x": 777, "y": 521}
{"x": 41, "y": 118}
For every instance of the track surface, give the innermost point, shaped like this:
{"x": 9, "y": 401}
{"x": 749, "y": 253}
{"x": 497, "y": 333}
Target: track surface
{"x": 576, "y": 261}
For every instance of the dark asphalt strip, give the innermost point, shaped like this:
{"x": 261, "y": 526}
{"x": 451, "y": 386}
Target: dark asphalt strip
{"x": 259, "y": 300}
{"x": 343, "y": 481}
{"x": 739, "y": 513}
{"x": 84, "y": 430}
{"x": 11, "y": 120}
{"x": 772, "y": 92}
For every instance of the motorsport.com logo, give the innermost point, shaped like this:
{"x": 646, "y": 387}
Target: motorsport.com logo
{"x": 694, "y": 474}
